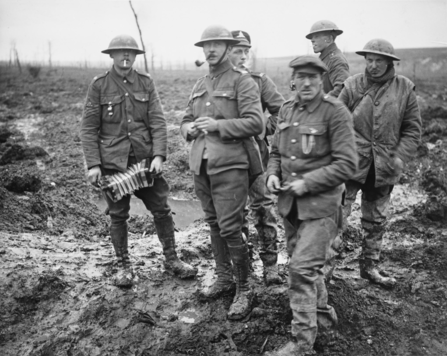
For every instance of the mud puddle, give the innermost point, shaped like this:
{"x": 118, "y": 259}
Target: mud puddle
{"x": 184, "y": 212}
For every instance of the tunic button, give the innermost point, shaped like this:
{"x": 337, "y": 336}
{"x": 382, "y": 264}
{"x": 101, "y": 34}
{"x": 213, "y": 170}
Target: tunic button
{"x": 293, "y": 174}
{"x": 295, "y": 124}
{"x": 293, "y": 140}
{"x": 374, "y": 143}
{"x": 208, "y": 103}
{"x": 127, "y": 94}
{"x": 125, "y": 81}
{"x": 102, "y": 141}
{"x": 376, "y": 103}
{"x": 293, "y": 158}
{"x": 128, "y": 120}
{"x": 128, "y": 134}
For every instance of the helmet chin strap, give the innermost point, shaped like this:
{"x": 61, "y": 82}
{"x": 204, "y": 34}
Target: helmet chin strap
{"x": 223, "y": 55}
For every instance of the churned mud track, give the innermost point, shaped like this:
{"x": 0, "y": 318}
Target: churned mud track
{"x": 57, "y": 261}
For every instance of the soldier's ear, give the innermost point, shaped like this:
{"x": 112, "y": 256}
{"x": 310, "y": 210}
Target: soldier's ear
{"x": 292, "y": 85}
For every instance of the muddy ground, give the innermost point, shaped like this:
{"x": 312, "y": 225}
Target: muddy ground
{"x": 57, "y": 260}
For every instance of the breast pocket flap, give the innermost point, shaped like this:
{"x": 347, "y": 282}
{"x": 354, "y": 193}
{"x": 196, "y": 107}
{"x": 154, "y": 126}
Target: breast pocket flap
{"x": 143, "y": 97}
{"x": 229, "y": 94}
{"x": 111, "y": 100}
{"x": 312, "y": 130}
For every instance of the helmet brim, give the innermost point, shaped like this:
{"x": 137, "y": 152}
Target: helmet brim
{"x": 230, "y": 41}
{"x": 110, "y": 50}
{"x": 365, "y": 52}
{"x": 335, "y": 31}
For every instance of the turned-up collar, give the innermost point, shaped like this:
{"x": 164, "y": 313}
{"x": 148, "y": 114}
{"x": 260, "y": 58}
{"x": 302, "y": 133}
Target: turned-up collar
{"x": 329, "y": 49}
{"x": 130, "y": 77}
{"x": 221, "y": 68}
{"x": 311, "y": 105}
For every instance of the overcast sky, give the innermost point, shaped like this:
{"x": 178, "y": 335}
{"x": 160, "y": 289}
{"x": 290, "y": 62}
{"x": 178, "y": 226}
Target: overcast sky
{"x": 79, "y": 29}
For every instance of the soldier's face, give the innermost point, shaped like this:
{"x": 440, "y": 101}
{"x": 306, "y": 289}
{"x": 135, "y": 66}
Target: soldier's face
{"x": 308, "y": 84}
{"x": 123, "y": 58}
{"x": 320, "y": 41}
{"x": 376, "y": 64}
{"x": 214, "y": 50}
{"x": 239, "y": 56}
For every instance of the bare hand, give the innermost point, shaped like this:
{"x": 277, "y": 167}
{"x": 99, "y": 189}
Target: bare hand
{"x": 396, "y": 165}
{"x": 192, "y": 130}
{"x": 273, "y": 184}
{"x": 94, "y": 175}
{"x": 207, "y": 124}
{"x": 156, "y": 164}
{"x": 297, "y": 187}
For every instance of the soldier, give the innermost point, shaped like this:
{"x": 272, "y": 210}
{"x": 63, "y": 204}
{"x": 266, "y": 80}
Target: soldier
{"x": 313, "y": 153}
{"x": 223, "y": 112}
{"x": 260, "y": 199}
{"x": 387, "y": 127}
{"x": 122, "y": 124}
{"x": 322, "y": 35}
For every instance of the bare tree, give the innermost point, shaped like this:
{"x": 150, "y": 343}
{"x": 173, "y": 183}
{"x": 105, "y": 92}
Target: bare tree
{"x": 141, "y": 36}
{"x": 16, "y": 56}
{"x": 49, "y": 54}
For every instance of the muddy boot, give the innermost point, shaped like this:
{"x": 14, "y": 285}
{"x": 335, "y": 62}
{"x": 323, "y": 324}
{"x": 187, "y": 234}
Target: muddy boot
{"x": 243, "y": 299}
{"x": 269, "y": 257}
{"x": 124, "y": 276}
{"x": 269, "y": 254}
{"x": 224, "y": 284}
{"x": 165, "y": 232}
{"x": 292, "y": 348}
{"x": 326, "y": 340}
{"x": 333, "y": 252}
{"x": 370, "y": 271}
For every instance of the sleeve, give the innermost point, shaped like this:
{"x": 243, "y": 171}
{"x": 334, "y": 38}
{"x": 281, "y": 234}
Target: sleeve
{"x": 250, "y": 111}
{"x": 410, "y": 130}
{"x": 274, "y": 163}
{"x": 157, "y": 123}
{"x": 188, "y": 117}
{"x": 90, "y": 125}
{"x": 338, "y": 74}
{"x": 344, "y": 95}
{"x": 273, "y": 101}
{"x": 344, "y": 156}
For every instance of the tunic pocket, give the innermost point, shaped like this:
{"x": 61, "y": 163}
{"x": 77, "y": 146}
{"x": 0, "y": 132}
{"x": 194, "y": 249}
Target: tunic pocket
{"x": 283, "y": 132}
{"x": 226, "y": 103}
{"x": 141, "y": 106}
{"x": 198, "y": 104}
{"x": 110, "y": 108}
{"x": 313, "y": 140}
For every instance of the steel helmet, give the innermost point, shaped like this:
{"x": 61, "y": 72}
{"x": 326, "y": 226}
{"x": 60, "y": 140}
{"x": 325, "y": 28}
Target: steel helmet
{"x": 243, "y": 37}
{"x": 216, "y": 33}
{"x": 379, "y": 46}
{"x": 324, "y": 26}
{"x": 123, "y": 42}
